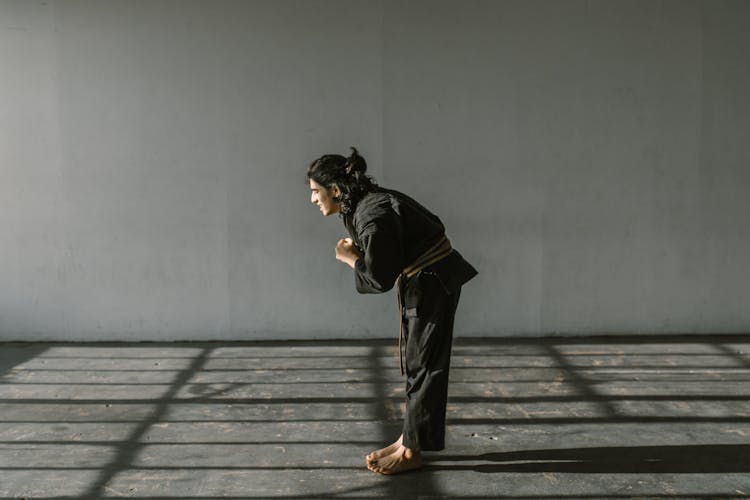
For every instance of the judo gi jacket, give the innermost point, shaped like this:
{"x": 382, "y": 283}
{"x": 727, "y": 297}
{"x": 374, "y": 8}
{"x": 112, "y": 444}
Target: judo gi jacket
{"x": 392, "y": 231}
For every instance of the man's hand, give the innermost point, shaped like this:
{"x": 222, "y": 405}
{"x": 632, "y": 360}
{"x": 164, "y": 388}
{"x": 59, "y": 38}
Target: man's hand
{"x": 347, "y": 252}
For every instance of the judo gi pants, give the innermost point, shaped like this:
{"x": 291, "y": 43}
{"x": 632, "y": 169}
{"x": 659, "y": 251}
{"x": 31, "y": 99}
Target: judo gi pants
{"x": 428, "y": 311}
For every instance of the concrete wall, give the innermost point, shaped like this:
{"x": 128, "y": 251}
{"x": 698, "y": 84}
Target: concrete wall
{"x": 590, "y": 158}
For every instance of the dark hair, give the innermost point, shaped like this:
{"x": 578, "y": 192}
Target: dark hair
{"x": 347, "y": 173}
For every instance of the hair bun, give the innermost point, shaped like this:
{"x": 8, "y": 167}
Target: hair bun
{"x": 355, "y": 164}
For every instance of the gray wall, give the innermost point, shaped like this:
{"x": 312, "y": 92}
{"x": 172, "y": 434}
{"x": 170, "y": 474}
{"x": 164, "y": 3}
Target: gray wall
{"x": 590, "y": 158}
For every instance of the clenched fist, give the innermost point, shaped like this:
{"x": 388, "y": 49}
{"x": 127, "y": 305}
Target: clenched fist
{"x": 347, "y": 252}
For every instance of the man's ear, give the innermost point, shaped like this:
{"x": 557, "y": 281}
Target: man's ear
{"x": 335, "y": 191}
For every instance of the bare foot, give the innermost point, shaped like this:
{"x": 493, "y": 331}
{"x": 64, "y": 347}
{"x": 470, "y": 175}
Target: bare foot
{"x": 384, "y": 452}
{"x": 401, "y": 460}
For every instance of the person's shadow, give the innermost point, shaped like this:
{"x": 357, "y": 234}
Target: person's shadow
{"x": 707, "y": 458}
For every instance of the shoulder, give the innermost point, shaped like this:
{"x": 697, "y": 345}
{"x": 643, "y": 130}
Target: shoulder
{"x": 373, "y": 204}
{"x": 375, "y": 208}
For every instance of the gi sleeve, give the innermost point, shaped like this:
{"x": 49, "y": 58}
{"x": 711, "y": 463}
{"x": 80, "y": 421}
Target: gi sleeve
{"x": 382, "y": 257}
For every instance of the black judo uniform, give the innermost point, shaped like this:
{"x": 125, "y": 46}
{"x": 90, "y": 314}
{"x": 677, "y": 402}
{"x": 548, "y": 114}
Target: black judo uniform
{"x": 392, "y": 230}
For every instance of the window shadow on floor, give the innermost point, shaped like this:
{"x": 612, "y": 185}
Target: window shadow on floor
{"x": 15, "y": 354}
{"x": 612, "y": 384}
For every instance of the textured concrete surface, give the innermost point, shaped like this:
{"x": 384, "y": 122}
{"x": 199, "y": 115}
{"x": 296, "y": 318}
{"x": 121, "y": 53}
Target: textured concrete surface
{"x": 590, "y": 158}
{"x": 625, "y": 417}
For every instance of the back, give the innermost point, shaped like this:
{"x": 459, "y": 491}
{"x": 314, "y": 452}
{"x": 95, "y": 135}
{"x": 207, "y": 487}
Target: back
{"x": 410, "y": 230}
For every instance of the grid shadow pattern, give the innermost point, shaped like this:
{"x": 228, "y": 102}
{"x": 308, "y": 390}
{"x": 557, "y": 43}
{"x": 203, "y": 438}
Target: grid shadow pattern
{"x": 588, "y": 417}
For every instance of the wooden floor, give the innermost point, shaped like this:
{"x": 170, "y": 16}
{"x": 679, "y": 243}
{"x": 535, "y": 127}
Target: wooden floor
{"x": 604, "y": 417}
